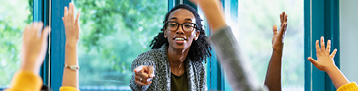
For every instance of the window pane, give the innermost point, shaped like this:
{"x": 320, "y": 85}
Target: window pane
{"x": 256, "y": 18}
{"x": 113, "y": 34}
{"x": 14, "y": 15}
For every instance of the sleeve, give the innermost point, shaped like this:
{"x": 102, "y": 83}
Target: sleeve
{"x": 144, "y": 60}
{"x": 236, "y": 69}
{"x": 25, "y": 81}
{"x": 68, "y": 88}
{"x": 349, "y": 87}
{"x": 203, "y": 78}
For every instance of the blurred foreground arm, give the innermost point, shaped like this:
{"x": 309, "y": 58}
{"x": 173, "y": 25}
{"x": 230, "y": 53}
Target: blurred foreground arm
{"x": 225, "y": 44}
{"x": 33, "y": 53}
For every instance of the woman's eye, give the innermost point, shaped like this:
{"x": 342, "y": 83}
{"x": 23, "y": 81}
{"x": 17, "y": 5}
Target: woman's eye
{"x": 173, "y": 25}
{"x": 187, "y": 25}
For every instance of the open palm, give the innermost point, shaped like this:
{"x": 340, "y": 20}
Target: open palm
{"x": 325, "y": 60}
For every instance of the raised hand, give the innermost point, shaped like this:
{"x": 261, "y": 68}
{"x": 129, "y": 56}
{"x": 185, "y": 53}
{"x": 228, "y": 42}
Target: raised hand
{"x": 34, "y": 47}
{"x": 278, "y": 36}
{"x": 325, "y": 60}
{"x": 213, "y": 11}
{"x": 71, "y": 25}
{"x": 144, "y": 75}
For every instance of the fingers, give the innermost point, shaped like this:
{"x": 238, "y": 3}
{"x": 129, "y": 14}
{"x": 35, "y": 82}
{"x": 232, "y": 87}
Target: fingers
{"x": 71, "y": 10}
{"x": 318, "y": 50}
{"x": 333, "y": 53}
{"x": 314, "y": 62}
{"x": 285, "y": 18}
{"x": 78, "y": 15}
{"x": 328, "y": 46}
{"x": 281, "y": 18}
{"x": 322, "y": 45}
{"x": 65, "y": 14}
{"x": 45, "y": 32}
{"x": 151, "y": 71}
{"x": 282, "y": 31}
{"x": 143, "y": 75}
{"x": 274, "y": 28}
{"x": 140, "y": 81}
{"x": 37, "y": 29}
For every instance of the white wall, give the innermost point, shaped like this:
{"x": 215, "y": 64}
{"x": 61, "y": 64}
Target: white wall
{"x": 349, "y": 38}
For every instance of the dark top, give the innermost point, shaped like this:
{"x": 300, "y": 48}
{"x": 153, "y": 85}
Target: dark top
{"x": 179, "y": 83}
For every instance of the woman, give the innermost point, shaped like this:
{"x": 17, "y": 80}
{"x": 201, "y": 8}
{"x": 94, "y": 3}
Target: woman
{"x": 175, "y": 61}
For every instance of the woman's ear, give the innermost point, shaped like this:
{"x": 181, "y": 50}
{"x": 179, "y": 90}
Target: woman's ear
{"x": 165, "y": 33}
{"x": 196, "y": 36}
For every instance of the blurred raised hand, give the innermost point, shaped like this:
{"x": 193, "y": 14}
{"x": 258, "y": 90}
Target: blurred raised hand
{"x": 34, "y": 46}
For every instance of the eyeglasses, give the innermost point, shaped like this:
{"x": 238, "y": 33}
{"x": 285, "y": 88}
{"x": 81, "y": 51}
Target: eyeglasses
{"x": 173, "y": 26}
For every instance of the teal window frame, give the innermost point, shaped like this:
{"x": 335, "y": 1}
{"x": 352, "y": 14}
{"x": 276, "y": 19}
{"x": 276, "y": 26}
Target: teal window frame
{"x": 321, "y": 18}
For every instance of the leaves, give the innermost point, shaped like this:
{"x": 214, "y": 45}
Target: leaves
{"x": 113, "y": 34}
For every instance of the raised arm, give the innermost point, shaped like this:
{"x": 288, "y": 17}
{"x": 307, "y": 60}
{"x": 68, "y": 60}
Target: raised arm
{"x": 227, "y": 48}
{"x": 273, "y": 74}
{"x": 33, "y": 52}
{"x": 325, "y": 63}
{"x": 70, "y": 72}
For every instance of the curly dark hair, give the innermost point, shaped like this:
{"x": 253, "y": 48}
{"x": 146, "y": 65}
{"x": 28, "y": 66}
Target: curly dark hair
{"x": 200, "y": 48}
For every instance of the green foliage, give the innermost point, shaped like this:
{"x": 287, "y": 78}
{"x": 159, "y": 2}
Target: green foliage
{"x": 113, "y": 34}
{"x": 256, "y": 18}
{"x": 14, "y": 15}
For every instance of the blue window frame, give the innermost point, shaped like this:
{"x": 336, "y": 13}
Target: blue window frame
{"x": 321, "y": 18}
{"x": 57, "y": 43}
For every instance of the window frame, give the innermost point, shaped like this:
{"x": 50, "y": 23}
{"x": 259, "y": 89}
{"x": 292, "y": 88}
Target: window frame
{"x": 321, "y": 18}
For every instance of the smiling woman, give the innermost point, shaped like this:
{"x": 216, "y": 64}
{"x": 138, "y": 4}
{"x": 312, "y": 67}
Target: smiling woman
{"x": 177, "y": 53}
{"x": 14, "y": 15}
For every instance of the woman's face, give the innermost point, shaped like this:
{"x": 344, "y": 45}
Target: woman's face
{"x": 181, "y": 38}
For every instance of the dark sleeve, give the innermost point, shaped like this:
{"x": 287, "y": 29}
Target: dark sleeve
{"x": 230, "y": 59}
{"x": 145, "y": 60}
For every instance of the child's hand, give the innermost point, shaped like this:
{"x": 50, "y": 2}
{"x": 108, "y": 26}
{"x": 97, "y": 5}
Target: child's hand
{"x": 34, "y": 47}
{"x": 325, "y": 61}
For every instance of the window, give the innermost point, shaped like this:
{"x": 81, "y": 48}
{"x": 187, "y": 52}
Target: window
{"x": 14, "y": 15}
{"x": 113, "y": 34}
{"x": 256, "y": 18}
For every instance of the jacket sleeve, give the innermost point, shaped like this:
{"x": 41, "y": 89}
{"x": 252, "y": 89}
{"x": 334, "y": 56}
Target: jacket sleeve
{"x": 25, "y": 81}
{"x": 349, "y": 87}
{"x": 68, "y": 88}
{"x": 230, "y": 58}
{"x": 144, "y": 60}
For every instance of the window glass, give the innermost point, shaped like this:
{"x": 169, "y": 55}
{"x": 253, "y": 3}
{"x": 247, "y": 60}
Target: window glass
{"x": 113, "y": 34}
{"x": 14, "y": 15}
{"x": 256, "y": 18}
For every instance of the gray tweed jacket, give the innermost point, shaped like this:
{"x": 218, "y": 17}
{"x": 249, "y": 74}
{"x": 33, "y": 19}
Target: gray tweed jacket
{"x": 158, "y": 58}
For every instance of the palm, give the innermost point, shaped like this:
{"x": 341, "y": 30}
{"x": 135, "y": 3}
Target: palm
{"x": 71, "y": 25}
{"x": 325, "y": 60}
{"x": 278, "y": 36}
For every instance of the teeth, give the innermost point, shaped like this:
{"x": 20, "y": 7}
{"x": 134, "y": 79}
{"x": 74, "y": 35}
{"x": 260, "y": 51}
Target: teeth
{"x": 179, "y": 39}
